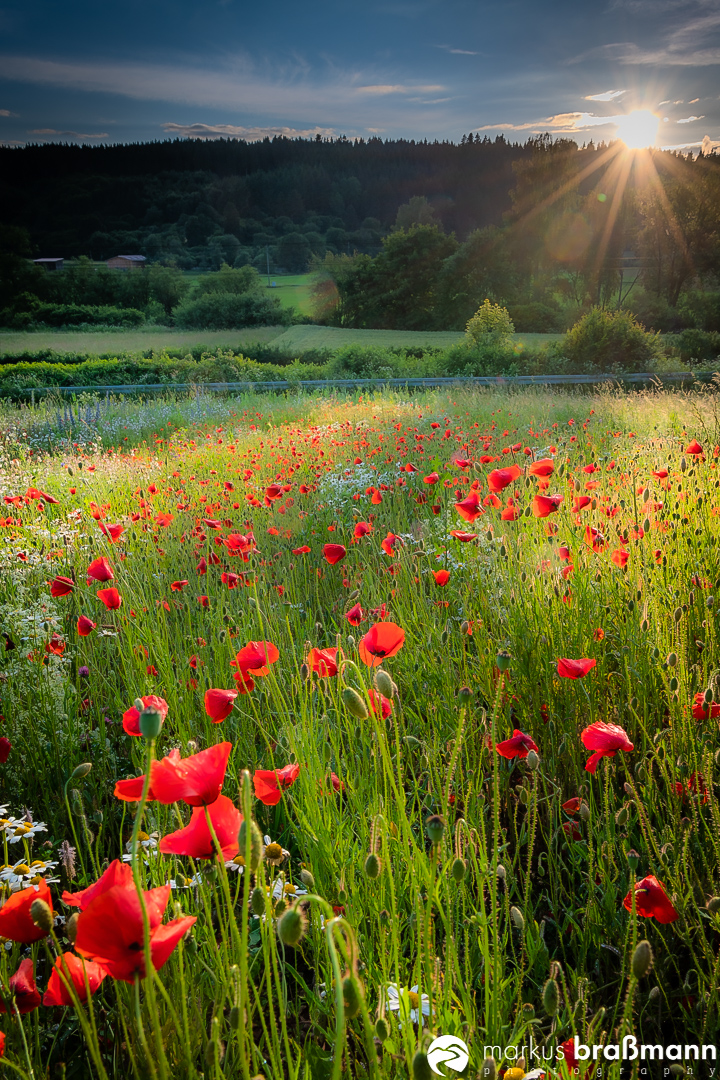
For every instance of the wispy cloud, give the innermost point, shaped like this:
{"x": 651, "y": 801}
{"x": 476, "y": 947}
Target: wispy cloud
{"x": 689, "y": 119}
{"x": 382, "y": 89}
{"x": 607, "y": 95}
{"x": 6, "y": 112}
{"x": 457, "y": 52}
{"x": 249, "y": 134}
{"x": 685, "y": 46}
{"x": 570, "y": 123}
{"x": 68, "y": 134}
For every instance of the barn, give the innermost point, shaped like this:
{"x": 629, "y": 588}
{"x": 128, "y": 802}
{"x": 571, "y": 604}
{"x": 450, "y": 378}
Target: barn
{"x": 50, "y": 264}
{"x": 126, "y": 262}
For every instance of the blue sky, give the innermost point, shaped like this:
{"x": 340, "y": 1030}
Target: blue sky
{"x": 148, "y": 69}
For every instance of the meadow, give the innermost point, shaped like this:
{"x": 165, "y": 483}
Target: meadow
{"x": 331, "y": 724}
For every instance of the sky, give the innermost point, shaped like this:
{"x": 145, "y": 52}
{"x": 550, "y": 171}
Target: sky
{"x": 419, "y": 69}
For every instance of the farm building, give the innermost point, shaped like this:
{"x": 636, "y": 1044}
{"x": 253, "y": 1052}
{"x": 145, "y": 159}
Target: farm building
{"x": 50, "y": 264}
{"x": 126, "y": 262}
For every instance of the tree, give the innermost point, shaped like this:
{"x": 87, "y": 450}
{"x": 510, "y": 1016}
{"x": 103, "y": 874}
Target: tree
{"x": 416, "y": 212}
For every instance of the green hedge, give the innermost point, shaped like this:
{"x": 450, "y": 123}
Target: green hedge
{"x": 61, "y": 315}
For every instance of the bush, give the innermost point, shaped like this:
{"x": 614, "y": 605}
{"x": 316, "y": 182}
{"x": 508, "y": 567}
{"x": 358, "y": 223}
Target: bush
{"x": 491, "y": 325}
{"x": 535, "y": 317}
{"x": 701, "y": 310}
{"x": 58, "y": 315}
{"x": 655, "y": 312}
{"x": 609, "y": 341}
{"x": 694, "y": 345}
{"x": 230, "y": 311}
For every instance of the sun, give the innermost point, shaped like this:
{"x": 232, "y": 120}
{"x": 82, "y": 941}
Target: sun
{"x": 638, "y": 130}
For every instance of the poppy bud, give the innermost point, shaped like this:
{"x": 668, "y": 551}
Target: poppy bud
{"x": 489, "y": 1069}
{"x": 372, "y": 867}
{"x": 517, "y": 917}
{"x": 524, "y": 797}
{"x": 532, "y": 760}
{"x": 713, "y": 905}
{"x": 354, "y": 703}
{"x": 683, "y": 464}
{"x": 256, "y": 844}
{"x": 435, "y": 828}
{"x": 708, "y": 696}
{"x": 458, "y": 871}
{"x": 709, "y": 601}
{"x": 678, "y": 614}
{"x": 234, "y": 1018}
{"x": 351, "y": 996}
{"x": 621, "y": 816}
{"x": 654, "y": 993}
{"x": 384, "y": 684}
{"x": 291, "y": 926}
{"x": 71, "y": 927}
{"x": 502, "y": 660}
{"x": 421, "y": 1068}
{"x": 41, "y": 915}
{"x": 307, "y": 879}
{"x": 464, "y": 626}
{"x": 465, "y": 695}
{"x": 257, "y": 901}
{"x": 673, "y": 684}
{"x": 81, "y": 770}
{"x": 382, "y": 1031}
{"x": 342, "y": 896}
{"x": 633, "y": 859}
{"x": 150, "y": 723}
{"x": 642, "y": 959}
{"x": 551, "y": 997}
{"x": 528, "y": 1010}
{"x": 584, "y": 811}
{"x": 501, "y": 872}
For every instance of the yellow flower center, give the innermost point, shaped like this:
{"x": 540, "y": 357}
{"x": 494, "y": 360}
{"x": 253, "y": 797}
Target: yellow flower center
{"x": 22, "y": 830}
{"x": 414, "y": 999}
{"x": 289, "y": 888}
{"x": 21, "y": 868}
{"x": 273, "y": 851}
{"x": 239, "y": 860}
{"x": 36, "y": 880}
{"x": 143, "y": 835}
{"x": 39, "y": 863}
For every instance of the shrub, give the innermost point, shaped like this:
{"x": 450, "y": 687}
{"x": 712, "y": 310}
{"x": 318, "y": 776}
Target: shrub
{"x": 702, "y": 345}
{"x": 58, "y": 315}
{"x": 610, "y": 341}
{"x": 490, "y": 325}
{"x": 228, "y": 311}
{"x": 654, "y": 312}
{"x": 535, "y": 317}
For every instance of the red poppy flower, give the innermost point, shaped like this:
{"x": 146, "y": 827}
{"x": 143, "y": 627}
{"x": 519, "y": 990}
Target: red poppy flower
{"x": 23, "y": 988}
{"x": 598, "y": 634}
{"x": 117, "y": 874}
{"x": 651, "y": 901}
{"x": 195, "y": 840}
{"x": 660, "y": 474}
{"x": 110, "y": 931}
{"x": 620, "y": 557}
{"x": 270, "y": 783}
{"x": 388, "y": 544}
{"x": 441, "y": 576}
{"x": 15, "y": 921}
{"x": 580, "y": 502}
{"x": 432, "y": 478}
{"x": 463, "y": 537}
{"x": 517, "y": 746}
{"x": 131, "y": 790}
{"x": 85, "y": 626}
{"x": 571, "y": 830}
{"x": 196, "y": 780}
{"x": 334, "y": 553}
{"x": 5, "y": 748}
{"x": 574, "y": 669}
{"x": 470, "y": 509}
{"x": 61, "y": 586}
{"x": 178, "y": 586}
{"x": 131, "y": 717}
{"x": 99, "y": 570}
{"x": 362, "y": 528}
{"x": 382, "y": 640}
{"x": 499, "y": 479}
{"x": 301, "y": 550}
{"x": 605, "y": 740}
{"x": 111, "y": 598}
{"x": 544, "y": 505}
{"x": 113, "y": 532}
{"x": 694, "y": 448}
{"x": 219, "y": 704}
{"x": 543, "y": 467}
{"x": 323, "y": 662}
{"x": 355, "y": 615}
{"x": 510, "y": 513}
{"x": 70, "y": 968}
{"x": 203, "y": 601}
{"x": 55, "y": 646}
{"x": 701, "y": 711}
{"x": 254, "y": 657}
{"x": 379, "y": 703}
{"x": 572, "y": 805}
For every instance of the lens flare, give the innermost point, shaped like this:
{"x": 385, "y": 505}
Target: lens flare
{"x": 638, "y": 130}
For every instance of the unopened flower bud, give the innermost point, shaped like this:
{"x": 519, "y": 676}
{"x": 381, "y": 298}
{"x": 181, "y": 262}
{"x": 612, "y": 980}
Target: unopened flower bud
{"x": 421, "y": 1068}
{"x": 354, "y": 703}
{"x": 307, "y": 879}
{"x": 621, "y": 816}
{"x": 642, "y": 959}
{"x": 584, "y": 811}
{"x": 81, "y": 770}
{"x": 551, "y": 997}
{"x": 459, "y": 869}
{"x": 372, "y": 867}
{"x": 257, "y": 846}
{"x": 352, "y": 994}
{"x": 41, "y": 915}
{"x": 234, "y": 1018}
{"x": 517, "y": 917}
{"x": 71, "y": 927}
{"x": 633, "y": 859}
{"x": 532, "y": 760}
{"x": 382, "y": 1031}
{"x": 384, "y": 684}
{"x": 713, "y": 905}
{"x": 257, "y": 901}
{"x": 489, "y": 1069}
{"x": 291, "y": 926}
{"x": 502, "y": 660}
{"x": 435, "y": 828}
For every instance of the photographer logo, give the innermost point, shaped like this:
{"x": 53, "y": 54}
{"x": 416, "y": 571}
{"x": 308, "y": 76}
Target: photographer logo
{"x": 447, "y": 1050}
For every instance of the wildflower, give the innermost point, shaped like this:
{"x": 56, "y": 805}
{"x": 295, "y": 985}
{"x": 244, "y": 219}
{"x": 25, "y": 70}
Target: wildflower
{"x": 469, "y": 509}
{"x": 67, "y": 858}
{"x": 110, "y": 931}
{"x": 85, "y": 626}
{"x": 334, "y": 553}
{"x": 382, "y": 640}
{"x": 701, "y": 710}
{"x": 441, "y": 576}
{"x": 269, "y": 784}
{"x": 518, "y": 746}
{"x": 196, "y": 780}
{"x": 544, "y": 505}
{"x": 275, "y": 854}
{"x": 5, "y": 748}
{"x": 15, "y": 921}
{"x": 178, "y": 586}
{"x": 61, "y": 586}
{"x": 111, "y": 598}
{"x": 355, "y": 615}
{"x": 71, "y": 968}
{"x": 651, "y": 901}
{"x": 499, "y": 479}
{"x": 694, "y": 449}
{"x": 323, "y": 662}
{"x": 219, "y": 704}
{"x": 252, "y": 661}
{"x": 379, "y": 703}
{"x": 23, "y": 990}
{"x": 574, "y": 669}
{"x": 410, "y": 1002}
{"x": 99, "y": 570}
{"x": 131, "y": 717}
{"x": 605, "y": 740}
{"x": 544, "y": 467}
{"x": 147, "y": 842}
{"x": 117, "y": 874}
{"x": 195, "y": 839}
{"x": 55, "y": 646}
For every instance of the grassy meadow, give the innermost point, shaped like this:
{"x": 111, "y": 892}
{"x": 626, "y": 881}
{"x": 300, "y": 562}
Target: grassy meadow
{"x": 453, "y": 661}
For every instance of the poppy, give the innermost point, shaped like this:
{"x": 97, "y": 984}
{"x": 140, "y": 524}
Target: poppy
{"x": 254, "y": 657}
{"x": 441, "y": 576}
{"x": 196, "y": 780}
{"x": 572, "y": 805}
{"x": 432, "y": 478}
{"x": 71, "y": 968}
{"x": 113, "y": 532}
{"x": 131, "y": 790}
{"x": 195, "y": 839}
{"x": 620, "y": 557}
{"x": 518, "y": 746}
{"x": 219, "y": 704}
{"x": 510, "y": 513}
{"x": 544, "y": 505}
{"x": 85, "y": 626}
{"x": 379, "y": 703}
{"x": 55, "y": 646}
{"x": 131, "y": 717}
{"x": 270, "y": 783}
{"x": 23, "y": 989}
{"x": 5, "y": 748}
{"x": 499, "y": 479}
{"x": 323, "y": 662}
{"x": 355, "y": 615}
{"x": 694, "y": 449}
{"x": 178, "y": 586}
{"x": 110, "y": 931}
{"x": 61, "y": 586}
{"x": 580, "y": 502}
{"x": 111, "y": 598}
{"x": 382, "y": 640}
{"x": 301, "y": 550}
{"x": 574, "y": 669}
{"x": 605, "y": 740}
{"x": 470, "y": 509}
{"x": 99, "y": 570}
{"x": 334, "y": 553}
{"x": 571, "y": 830}
{"x": 651, "y": 901}
{"x": 15, "y": 921}
{"x": 701, "y": 711}
{"x": 203, "y": 601}
{"x": 543, "y": 467}
{"x": 117, "y": 874}
{"x": 463, "y": 537}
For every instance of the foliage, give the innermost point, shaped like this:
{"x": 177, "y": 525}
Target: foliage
{"x": 610, "y": 341}
{"x": 490, "y": 325}
{"x": 227, "y": 280}
{"x": 696, "y": 345}
{"x": 38, "y": 314}
{"x": 227, "y": 310}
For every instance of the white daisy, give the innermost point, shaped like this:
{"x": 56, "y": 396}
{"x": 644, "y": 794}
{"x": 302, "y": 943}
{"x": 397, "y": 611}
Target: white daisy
{"x": 409, "y": 1003}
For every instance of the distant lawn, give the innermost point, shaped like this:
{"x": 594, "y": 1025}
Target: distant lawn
{"x": 12, "y": 343}
{"x": 303, "y": 338}
{"x": 292, "y": 290}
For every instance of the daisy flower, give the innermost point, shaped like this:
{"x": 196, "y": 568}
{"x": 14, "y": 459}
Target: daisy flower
{"x": 409, "y": 1003}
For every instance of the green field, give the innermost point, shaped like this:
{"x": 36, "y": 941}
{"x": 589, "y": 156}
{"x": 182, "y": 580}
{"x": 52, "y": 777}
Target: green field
{"x": 292, "y": 290}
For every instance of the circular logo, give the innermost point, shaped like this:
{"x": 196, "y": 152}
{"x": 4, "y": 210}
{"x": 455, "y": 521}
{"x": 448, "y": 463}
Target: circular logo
{"x": 447, "y": 1050}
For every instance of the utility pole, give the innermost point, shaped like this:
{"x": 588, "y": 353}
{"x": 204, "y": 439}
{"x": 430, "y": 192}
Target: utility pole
{"x": 267, "y": 257}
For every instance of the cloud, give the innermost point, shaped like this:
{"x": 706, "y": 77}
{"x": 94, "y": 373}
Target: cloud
{"x": 607, "y": 95}
{"x": 458, "y": 52}
{"x": 686, "y": 46}
{"x": 707, "y": 145}
{"x": 570, "y": 123}
{"x": 249, "y": 134}
{"x": 382, "y": 89}
{"x": 689, "y": 119}
{"x": 6, "y": 112}
{"x": 68, "y": 134}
